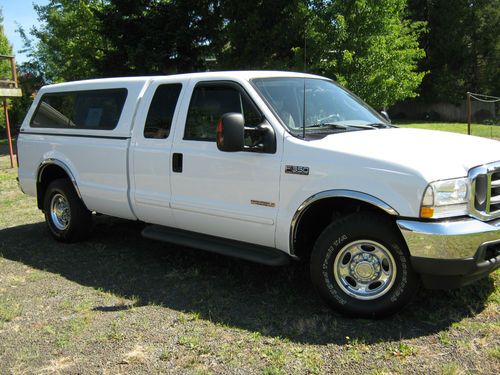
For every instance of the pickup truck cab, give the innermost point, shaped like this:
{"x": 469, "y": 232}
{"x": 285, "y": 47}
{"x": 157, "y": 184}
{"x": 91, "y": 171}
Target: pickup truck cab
{"x": 269, "y": 166}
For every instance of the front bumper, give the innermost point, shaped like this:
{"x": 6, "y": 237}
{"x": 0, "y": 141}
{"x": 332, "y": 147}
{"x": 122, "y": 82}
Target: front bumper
{"x": 452, "y": 253}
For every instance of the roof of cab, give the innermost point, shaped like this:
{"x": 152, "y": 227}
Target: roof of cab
{"x": 236, "y": 74}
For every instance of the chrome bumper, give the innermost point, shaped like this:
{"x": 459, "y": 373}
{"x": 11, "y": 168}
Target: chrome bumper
{"x": 453, "y": 239}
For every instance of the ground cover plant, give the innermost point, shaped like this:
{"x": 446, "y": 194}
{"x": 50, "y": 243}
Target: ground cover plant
{"x": 119, "y": 303}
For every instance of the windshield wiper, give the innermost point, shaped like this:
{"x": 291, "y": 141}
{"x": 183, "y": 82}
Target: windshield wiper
{"x": 381, "y": 125}
{"x": 327, "y": 125}
{"x": 339, "y": 126}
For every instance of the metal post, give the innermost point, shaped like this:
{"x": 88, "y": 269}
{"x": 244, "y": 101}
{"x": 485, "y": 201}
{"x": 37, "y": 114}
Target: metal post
{"x": 6, "y": 112}
{"x": 469, "y": 112}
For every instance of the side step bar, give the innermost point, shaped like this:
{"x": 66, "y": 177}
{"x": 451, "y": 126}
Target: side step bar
{"x": 253, "y": 253}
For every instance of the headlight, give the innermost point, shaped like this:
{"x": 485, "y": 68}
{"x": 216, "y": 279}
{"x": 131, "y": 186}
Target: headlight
{"x": 445, "y": 198}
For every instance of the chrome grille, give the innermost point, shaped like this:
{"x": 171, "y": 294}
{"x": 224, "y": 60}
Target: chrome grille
{"x": 485, "y": 193}
{"x": 495, "y": 192}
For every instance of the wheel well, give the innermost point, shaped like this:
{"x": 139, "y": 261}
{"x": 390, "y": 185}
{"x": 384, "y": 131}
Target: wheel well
{"x": 47, "y": 175}
{"x": 319, "y": 215}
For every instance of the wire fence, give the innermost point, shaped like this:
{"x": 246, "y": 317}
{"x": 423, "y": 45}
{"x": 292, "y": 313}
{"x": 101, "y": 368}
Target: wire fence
{"x": 483, "y": 109}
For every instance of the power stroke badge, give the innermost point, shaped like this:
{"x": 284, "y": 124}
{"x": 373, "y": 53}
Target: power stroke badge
{"x": 297, "y": 169}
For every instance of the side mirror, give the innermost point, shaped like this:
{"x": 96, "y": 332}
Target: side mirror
{"x": 386, "y": 116}
{"x": 231, "y": 132}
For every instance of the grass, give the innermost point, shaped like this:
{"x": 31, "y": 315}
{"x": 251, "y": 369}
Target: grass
{"x": 121, "y": 304}
{"x": 9, "y": 310}
{"x": 452, "y": 368}
{"x": 487, "y": 131}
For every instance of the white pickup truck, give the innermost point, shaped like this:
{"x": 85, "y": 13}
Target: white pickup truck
{"x": 268, "y": 167}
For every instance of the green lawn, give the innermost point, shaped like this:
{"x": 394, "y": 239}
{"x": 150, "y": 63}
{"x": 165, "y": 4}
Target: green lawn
{"x": 488, "y": 131}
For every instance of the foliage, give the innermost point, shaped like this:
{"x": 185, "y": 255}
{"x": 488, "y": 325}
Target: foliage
{"x": 5, "y": 69}
{"x": 370, "y": 47}
{"x": 163, "y": 36}
{"x": 367, "y": 45}
{"x": 263, "y": 34}
{"x": 69, "y": 43}
{"x": 5, "y": 49}
{"x": 375, "y": 48}
{"x": 30, "y": 77}
{"x": 30, "y": 81}
{"x": 462, "y": 46}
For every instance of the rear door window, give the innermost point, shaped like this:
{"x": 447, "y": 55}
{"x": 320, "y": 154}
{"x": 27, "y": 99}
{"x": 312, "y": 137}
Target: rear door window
{"x": 161, "y": 111}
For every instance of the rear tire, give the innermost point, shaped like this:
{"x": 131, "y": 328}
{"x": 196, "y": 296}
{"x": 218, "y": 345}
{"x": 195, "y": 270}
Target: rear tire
{"x": 66, "y": 216}
{"x": 361, "y": 266}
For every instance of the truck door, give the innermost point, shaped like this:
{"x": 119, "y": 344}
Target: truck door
{"x": 233, "y": 195}
{"x": 151, "y": 149}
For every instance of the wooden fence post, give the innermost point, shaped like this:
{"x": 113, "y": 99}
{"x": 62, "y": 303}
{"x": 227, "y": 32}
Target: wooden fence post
{"x": 9, "y": 138}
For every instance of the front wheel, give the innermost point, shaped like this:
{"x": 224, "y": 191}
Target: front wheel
{"x": 361, "y": 266}
{"x": 67, "y": 217}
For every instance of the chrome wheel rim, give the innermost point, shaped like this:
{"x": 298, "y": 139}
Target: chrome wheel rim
{"x": 59, "y": 211}
{"x": 364, "y": 269}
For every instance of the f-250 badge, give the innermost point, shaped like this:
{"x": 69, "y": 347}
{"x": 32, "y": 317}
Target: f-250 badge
{"x": 297, "y": 169}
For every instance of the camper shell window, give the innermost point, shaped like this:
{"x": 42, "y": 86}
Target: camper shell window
{"x": 96, "y": 109}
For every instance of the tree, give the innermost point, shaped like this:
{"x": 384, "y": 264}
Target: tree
{"x": 5, "y": 49}
{"x": 157, "y": 37}
{"x": 367, "y": 45}
{"x": 101, "y": 38}
{"x": 69, "y": 43}
{"x": 462, "y": 46}
{"x": 263, "y": 34}
{"x": 30, "y": 81}
{"x": 370, "y": 47}
{"x": 5, "y": 69}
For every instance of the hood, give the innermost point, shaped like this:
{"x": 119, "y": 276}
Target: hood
{"x": 435, "y": 155}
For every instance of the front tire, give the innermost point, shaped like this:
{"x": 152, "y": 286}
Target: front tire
{"x": 66, "y": 216}
{"x": 361, "y": 266}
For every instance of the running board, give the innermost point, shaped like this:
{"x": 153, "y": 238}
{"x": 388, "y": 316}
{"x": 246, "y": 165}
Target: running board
{"x": 253, "y": 253}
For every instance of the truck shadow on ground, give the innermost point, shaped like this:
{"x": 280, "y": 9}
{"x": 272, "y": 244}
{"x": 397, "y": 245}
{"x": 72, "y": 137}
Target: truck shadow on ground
{"x": 4, "y": 149}
{"x": 272, "y": 301}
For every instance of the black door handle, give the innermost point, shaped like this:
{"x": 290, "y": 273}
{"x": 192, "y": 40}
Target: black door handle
{"x": 177, "y": 162}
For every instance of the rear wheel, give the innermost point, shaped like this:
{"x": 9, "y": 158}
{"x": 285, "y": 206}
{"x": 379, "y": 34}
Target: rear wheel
{"x": 361, "y": 266}
{"x": 67, "y": 217}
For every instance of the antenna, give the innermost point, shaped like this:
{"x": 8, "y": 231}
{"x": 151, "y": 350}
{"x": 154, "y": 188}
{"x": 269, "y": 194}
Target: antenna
{"x": 304, "y": 113}
{"x": 305, "y": 49}
{"x": 305, "y": 70}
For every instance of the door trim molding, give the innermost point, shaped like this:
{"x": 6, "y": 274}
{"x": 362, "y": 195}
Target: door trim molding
{"x": 189, "y": 207}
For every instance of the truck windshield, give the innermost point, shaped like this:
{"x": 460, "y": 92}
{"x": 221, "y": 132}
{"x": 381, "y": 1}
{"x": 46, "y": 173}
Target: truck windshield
{"x": 318, "y": 104}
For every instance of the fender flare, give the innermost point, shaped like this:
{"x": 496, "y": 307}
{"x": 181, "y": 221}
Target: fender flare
{"x": 352, "y": 194}
{"x": 44, "y": 164}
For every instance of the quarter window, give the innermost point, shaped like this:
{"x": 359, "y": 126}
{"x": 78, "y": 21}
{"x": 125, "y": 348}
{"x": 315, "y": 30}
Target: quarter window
{"x": 97, "y": 109}
{"x": 161, "y": 111}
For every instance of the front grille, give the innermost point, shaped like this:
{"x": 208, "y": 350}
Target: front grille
{"x": 495, "y": 193}
{"x": 485, "y": 194}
